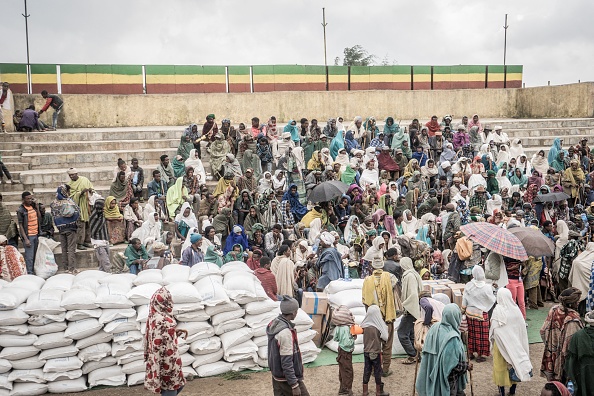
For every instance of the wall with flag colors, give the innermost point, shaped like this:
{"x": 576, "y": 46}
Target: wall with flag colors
{"x": 168, "y": 79}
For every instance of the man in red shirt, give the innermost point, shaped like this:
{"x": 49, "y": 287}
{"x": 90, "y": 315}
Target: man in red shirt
{"x": 267, "y": 278}
{"x": 56, "y": 103}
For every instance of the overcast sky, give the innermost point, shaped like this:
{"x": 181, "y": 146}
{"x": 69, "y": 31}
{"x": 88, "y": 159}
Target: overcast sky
{"x": 554, "y": 40}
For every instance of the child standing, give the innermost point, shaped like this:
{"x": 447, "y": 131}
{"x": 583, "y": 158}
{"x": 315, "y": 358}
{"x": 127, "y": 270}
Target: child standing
{"x": 99, "y": 235}
{"x": 375, "y": 331}
{"x": 343, "y": 319}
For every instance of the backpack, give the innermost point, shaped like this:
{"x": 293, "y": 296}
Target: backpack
{"x": 464, "y": 248}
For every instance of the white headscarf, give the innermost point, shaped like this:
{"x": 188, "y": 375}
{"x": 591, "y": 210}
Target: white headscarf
{"x": 479, "y": 293}
{"x": 196, "y": 163}
{"x": 581, "y": 270}
{"x": 149, "y": 231}
{"x": 279, "y": 183}
{"x": 409, "y": 226}
{"x": 375, "y": 249}
{"x": 327, "y": 238}
{"x": 411, "y": 287}
{"x": 516, "y": 148}
{"x": 342, "y": 159}
{"x": 190, "y": 220}
{"x": 264, "y": 184}
{"x": 494, "y": 203}
{"x": 563, "y": 232}
{"x": 315, "y": 228}
{"x": 373, "y": 318}
{"x": 508, "y": 331}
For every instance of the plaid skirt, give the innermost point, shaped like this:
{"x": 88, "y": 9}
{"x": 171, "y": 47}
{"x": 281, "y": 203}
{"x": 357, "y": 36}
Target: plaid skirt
{"x": 478, "y": 335}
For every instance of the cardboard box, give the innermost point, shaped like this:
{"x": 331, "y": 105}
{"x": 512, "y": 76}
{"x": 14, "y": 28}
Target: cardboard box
{"x": 441, "y": 289}
{"x": 445, "y": 281}
{"x": 457, "y": 297}
{"x": 457, "y": 286}
{"x": 427, "y": 284}
{"x": 319, "y": 325}
{"x": 314, "y": 303}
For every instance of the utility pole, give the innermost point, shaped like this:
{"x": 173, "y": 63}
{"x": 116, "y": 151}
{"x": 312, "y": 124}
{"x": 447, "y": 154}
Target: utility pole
{"x": 324, "y": 24}
{"x": 27, "y": 38}
{"x": 505, "y": 26}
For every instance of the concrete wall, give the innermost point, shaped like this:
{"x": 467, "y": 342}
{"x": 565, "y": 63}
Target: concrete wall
{"x": 575, "y": 100}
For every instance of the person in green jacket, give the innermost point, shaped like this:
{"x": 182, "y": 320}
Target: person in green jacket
{"x": 136, "y": 256}
{"x": 343, "y": 319}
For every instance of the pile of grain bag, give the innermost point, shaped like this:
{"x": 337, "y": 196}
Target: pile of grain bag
{"x": 70, "y": 333}
{"x": 349, "y": 293}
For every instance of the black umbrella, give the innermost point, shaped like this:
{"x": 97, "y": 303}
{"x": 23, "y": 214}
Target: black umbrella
{"x": 534, "y": 241}
{"x": 551, "y": 197}
{"x": 325, "y": 191}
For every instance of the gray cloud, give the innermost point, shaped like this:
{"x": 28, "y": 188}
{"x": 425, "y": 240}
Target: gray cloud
{"x": 553, "y": 40}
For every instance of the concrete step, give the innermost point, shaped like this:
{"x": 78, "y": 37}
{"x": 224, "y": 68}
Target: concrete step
{"x": 548, "y": 140}
{"x": 13, "y": 152}
{"x": 41, "y": 148}
{"x": 8, "y": 188}
{"x": 96, "y": 134}
{"x": 549, "y": 132}
{"x": 16, "y": 166}
{"x": 540, "y": 123}
{"x": 8, "y": 145}
{"x": 65, "y": 160}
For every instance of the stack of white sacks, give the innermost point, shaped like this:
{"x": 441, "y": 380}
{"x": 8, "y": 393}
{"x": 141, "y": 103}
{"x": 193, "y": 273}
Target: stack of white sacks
{"x": 349, "y": 293}
{"x": 70, "y": 333}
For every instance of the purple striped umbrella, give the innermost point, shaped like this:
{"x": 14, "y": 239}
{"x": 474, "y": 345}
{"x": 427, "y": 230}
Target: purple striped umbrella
{"x": 496, "y": 239}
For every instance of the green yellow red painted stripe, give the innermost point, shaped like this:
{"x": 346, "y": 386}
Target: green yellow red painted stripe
{"x": 101, "y": 79}
{"x": 185, "y": 79}
{"x": 16, "y": 75}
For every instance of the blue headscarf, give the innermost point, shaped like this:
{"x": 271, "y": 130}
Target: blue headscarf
{"x": 554, "y": 150}
{"x": 336, "y": 144}
{"x": 422, "y": 235}
{"x": 62, "y": 201}
{"x": 488, "y": 164}
{"x": 297, "y": 208}
{"x": 293, "y": 130}
{"x": 350, "y": 142}
{"x": 234, "y": 239}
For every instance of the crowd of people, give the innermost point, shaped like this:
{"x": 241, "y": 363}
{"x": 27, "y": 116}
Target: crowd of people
{"x": 408, "y": 191}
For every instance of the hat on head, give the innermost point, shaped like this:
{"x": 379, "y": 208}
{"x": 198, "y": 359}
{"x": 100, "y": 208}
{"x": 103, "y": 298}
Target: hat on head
{"x": 398, "y": 151}
{"x": 445, "y": 164}
{"x": 480, "y": 189}
{"x": 385, "y": 148}
{"x": 461, "y": 126}
{"x": 194, "y": 238}
{"x": 463, "y": 188}
{"x": 72, "y": 171}
{"x": 286, "y": 135}
{"x": 230, "y": 156}
{"x": 236, "y": 229}
{"x": 498, "y": 127}
{"x": 288, "y": 305}
{"x": 3, "y": 239}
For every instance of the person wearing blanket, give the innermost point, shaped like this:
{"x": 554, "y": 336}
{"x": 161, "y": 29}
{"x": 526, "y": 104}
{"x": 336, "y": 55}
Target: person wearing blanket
{"x": 329, "y": 261}
{"x": 164, "y": 373}
{"x": 343, "y": 319}
{"x": 443, "y": 363}
{"x": 378, "y": 289}
{"x": 284, "y": 356}
{"x": 509, "y": 344}
{"x": 375, "y": 333}
{"x": 411, "y": 289}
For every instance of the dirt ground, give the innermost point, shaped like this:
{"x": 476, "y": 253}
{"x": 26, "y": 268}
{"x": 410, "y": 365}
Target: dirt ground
{"x": 323, "y": 381}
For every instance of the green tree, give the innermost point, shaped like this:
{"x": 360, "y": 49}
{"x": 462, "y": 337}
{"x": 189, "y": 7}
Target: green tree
{"x": 356, "y": 56}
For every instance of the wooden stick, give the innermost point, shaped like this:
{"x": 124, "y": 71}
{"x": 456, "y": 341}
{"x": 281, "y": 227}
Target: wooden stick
{"x": 470, "y": 371}
{"x": 415, "y": 379}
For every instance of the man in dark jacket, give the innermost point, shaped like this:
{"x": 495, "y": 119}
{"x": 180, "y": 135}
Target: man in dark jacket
{"x": 56, "y": 103}
{"x": 284, "y": 356}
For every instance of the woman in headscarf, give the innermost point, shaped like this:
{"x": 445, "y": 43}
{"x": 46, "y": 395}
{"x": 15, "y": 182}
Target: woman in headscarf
{"x": 272, "y": 132}
{"x": 516, "y": 148}
{"x": 558, "y": 163}
{"x": 236, "y": 237}
{"x": 325, "y": 159}
{"x": 352, "y": 231}
{"x": 196, "y": 163}
{"x": 350, "y": 143}
{"x": 343, "y": 159}
{"x": 409, "y": 223}
{"x": 573, "y": 180}
{"x": 503, "y": 157}
{"x": 178, "y": 165}
{"x": 477, "y": 301}
{"x": 184, "y": 221}
{"x": 475, "y": 122}
{"x": 492, "y": 183}
{"x": 375, "y": 335}
{"x": 376, "y": 249}
{"x": 252, "y": 218}
{"x": 519, "y": 178}
{"x": 315, "y": 229}
{"x": 292, "y": 128}
{"x": 509, "y": 343}
{"x": 164, "y": 372}
{"x": 523, "y": 164}
{"x": 150, "y": 231}
{"x": 540, "y": 163}
{"x": 211, "y": 256}
{"x": 448, "y": 153}
{"x": 273, "y": 214}
{"x": 119, "y": 188}
{"x": 12, "y": 262}
{"x": 235, "y": 254}
{"x": 488, "y": 163}
{"x": 218, "y": 154}
{"x": 279, "y": 181}
{"x": 264, "y": 183}
{"x": 370, "y": 176}
{"x": 443, "y": 364}
{"x": 176, "y": 196}
{"x": 315, "y": 162}
{"x": 297, "y": 208}
{"x": 241, "y": 207}
{"x": 562, "y": 322}
{"x": 536, "y": 179}
{"x": 132, "y": 217}
{"x": 116, "y": 227}
{"x": 185, "y": 146}
{"x": 555, "y": 150}
{"x": 336, "y": 144}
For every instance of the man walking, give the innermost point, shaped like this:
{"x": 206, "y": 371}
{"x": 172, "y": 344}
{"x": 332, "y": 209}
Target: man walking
{"x": 56, "y": 103}
{"x": 80, "y": 189}
{"x": 411, "y": 287}
{"x": 284, "y": 356}
{"x": 29, "y": 221}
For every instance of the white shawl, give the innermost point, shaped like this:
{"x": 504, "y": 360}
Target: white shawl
{"x": 196, "y": 163}
{"x": 478, "y": 293}
{"x": 581, "y": 270}
{"x": 508, "y": 331}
